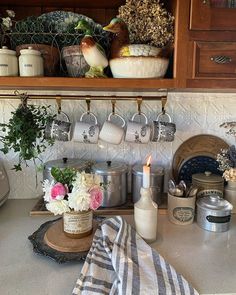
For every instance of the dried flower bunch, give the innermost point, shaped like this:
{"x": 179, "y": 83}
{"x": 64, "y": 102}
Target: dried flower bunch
{"x": 72, "y": 191}
{"x": 148, "y": 22}
{"x": 227, "y": 163}
{"x": 231, "y": 126}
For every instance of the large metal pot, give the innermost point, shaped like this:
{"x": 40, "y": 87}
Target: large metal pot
{"x": 156, "y": 182}
{"x": 114, "y": 178}
{"x": 214, "y": 213}
{"x": 62, "y": 164}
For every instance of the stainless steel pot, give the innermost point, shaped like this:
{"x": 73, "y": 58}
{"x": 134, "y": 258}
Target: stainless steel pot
{"x": 114, "y": 178}
{"x": 214, "y": 213}
{"x": 156, "y": 182}
{"x": 62, "y": 164}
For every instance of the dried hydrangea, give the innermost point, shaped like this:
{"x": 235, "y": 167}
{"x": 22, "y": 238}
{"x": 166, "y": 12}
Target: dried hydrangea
{"x": 230, "y": 175}
{"x": 148, "y": 22}
{"x": 231, "y": 126}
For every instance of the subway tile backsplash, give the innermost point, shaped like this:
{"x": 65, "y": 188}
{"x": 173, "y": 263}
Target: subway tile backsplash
{"x": 193, "y": 113}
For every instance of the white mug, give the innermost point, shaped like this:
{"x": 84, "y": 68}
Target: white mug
{"x": 111, "y": 132}
{"x": 86, "y": 132}
{"x": 138, "y": 132}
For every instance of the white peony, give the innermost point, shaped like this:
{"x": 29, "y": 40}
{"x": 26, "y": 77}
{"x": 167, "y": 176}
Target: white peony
{"x": 58, "y": 207}
{"x": 79, "y": 200}
{"x": 86, "y": 181}
{"x": 47, "y": 187}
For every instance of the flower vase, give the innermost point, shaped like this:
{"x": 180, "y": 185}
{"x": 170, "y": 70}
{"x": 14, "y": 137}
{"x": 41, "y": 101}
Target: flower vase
{"x": 78, "y": 224}
{"x": 230, "y": 194}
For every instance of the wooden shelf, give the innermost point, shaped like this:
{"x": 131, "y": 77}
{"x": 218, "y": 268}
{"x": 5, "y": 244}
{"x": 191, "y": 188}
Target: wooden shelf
{"x": 98, "y": 84}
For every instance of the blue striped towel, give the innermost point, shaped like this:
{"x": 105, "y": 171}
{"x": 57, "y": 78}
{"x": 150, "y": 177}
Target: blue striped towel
{"x": 121, "y": 262}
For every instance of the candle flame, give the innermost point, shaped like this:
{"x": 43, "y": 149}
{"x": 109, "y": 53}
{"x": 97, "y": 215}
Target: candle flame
{"x": 149, "y": 161}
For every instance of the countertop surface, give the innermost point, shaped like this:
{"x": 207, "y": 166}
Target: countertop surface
{"x": 207, "y": 260}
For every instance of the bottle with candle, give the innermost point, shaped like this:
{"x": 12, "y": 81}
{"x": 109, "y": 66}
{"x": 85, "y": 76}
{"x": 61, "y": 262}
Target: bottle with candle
{"x": 145, "y": 210}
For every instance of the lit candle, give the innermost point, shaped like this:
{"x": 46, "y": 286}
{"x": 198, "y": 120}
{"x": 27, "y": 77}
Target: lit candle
{"x": 146, "y": 173}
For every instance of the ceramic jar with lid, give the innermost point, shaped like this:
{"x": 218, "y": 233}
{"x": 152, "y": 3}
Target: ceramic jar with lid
{"x": 214, "y": 213}
{"x": 156, "y": 182}
{"x": 30, "y": 62}
{"x": 114, "y": 178}
{"x": 63, "y": 163}
{"x": 8, "y": 62}
{"x": 230, "y": 194}
{"x": 208, "y": 184}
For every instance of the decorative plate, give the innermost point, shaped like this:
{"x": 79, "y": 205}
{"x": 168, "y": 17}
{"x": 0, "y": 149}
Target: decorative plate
{"x": 196, "y": 154}
{"x": 40, "y": 246}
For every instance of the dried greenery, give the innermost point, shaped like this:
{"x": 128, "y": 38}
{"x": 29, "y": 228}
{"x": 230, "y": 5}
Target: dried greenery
{"x": 148, "y": 22}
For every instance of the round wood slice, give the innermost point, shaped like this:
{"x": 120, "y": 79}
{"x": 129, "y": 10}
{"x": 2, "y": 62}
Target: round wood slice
{"x": 56, "y": 239}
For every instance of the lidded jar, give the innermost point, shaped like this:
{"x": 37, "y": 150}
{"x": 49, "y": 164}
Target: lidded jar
{"x": 30, "y": 62}
{"x": 208, "y": 184}
{"x": 8, "y": 62}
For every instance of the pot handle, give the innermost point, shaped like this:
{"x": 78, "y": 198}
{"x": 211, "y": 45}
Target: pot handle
{"x": 140, "y": 114}
{"x": 90, "y": 113}
{"x": 218, "y": 219}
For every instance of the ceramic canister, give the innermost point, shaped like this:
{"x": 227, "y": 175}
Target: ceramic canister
{"x": 8, "y": 62}
{"x": 156, "y": 182}
{"x": 30, "y": 62}
{"x": 208, "y": 184}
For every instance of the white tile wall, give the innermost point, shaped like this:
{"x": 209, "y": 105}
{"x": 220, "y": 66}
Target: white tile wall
{"x": 193, "y": 113}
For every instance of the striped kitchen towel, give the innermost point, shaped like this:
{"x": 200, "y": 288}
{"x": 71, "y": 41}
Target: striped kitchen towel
{"x": 121, "y": 262}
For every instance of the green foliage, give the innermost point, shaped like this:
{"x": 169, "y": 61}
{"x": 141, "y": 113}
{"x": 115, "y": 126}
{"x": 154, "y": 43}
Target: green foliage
{"x": 24, "y": 133}
{"x": 65, "y": 176}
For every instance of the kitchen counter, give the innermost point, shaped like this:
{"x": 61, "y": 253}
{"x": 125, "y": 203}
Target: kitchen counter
{"x": 207, "y": 260}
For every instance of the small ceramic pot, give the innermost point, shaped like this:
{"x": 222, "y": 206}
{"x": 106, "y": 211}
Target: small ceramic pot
{"x": 78, "y": 224}
{"x": 30, "y": 62}
{"x": 75, "y": 62}
{"x": 8, "y": 62}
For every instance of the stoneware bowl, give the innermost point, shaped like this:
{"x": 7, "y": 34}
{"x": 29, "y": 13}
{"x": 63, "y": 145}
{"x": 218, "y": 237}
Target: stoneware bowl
{"x": 139, "y": 67}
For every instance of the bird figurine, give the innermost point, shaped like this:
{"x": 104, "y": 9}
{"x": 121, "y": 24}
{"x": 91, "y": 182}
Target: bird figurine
{"x": 121, "y": 46}
{"x": 93, "y": 52}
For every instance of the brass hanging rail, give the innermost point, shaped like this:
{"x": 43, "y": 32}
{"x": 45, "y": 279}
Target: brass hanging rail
{"x": 85, "y": 97}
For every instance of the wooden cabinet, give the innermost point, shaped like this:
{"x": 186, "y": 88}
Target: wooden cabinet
{"x": 101, "y": 11}
{"x": 212, "y": 45}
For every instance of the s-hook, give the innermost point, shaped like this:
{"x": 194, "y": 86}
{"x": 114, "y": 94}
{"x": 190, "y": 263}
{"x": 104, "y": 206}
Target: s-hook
{"x": 139, "y": 102}
{"x": 163, "y": 104}
{"x": 88, "y": 101}
{"x": 113, "y": 102}
{"x": 58, "y": 100}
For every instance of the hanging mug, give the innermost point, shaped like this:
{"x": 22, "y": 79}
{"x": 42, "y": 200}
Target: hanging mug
{"x": 138, "y": 132}
{"x": 59, "y": 128}
{"x": 86, "y": 132}
{"x": 163, "y": 130}
{"x": 111, "y": 132}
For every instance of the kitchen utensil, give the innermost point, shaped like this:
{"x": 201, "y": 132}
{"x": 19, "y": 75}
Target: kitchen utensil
{"x": 86, "y": 132}
{"x": 4, "y": 184}
{"x": 181, "y": 210}
{"x": 78, "y": 164}
{"x": 156, "y": 182}
{"x": 114, "y": 178}
{"x": 199, "y": 145}
{"x": 208, "y": 184}
{"x": 138, "y": 132}
{"x": 30, "y": 62}
{"x": 214, "y": 213}
{"x": 8, "y": 62}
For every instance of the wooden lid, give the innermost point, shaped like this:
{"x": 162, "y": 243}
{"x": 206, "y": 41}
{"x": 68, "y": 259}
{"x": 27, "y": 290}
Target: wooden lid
{"x": 56, "y": 239}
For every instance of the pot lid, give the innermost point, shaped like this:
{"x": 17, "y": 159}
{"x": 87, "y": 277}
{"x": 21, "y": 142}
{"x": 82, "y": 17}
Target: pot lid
{"x": 30, "y": 50}
{"x": 214, "y": 203}
{"x": 5, "y": 50}
{"x": 66, "y": 162}
{"x": 109, "y": 167}
{"x": 155, "y": 170}
{"x": 207, "y": 177}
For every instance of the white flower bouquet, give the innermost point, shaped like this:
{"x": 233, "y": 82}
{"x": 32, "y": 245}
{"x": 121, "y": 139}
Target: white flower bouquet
{"x": 72, "y": 191}
{"x": 227, "y": 163}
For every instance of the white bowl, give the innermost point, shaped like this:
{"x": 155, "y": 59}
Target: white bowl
{"x": 139, "y": 67}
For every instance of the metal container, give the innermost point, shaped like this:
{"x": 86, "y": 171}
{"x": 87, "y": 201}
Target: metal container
{"x": 208, "y": 184}
{"x": 214, "y": 213}
{"x": 156, "y": 182}
{"x": 114, "y": 178}
{"x": 62, "y": 164}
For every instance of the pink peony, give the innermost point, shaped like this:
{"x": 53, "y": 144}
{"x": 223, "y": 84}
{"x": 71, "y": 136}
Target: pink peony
{"x": 96, "y": 198}
{"x": 58, "y": 191}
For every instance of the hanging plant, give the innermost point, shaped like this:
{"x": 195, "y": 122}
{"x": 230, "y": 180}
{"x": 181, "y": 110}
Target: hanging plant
{"x": 24, "y": 133}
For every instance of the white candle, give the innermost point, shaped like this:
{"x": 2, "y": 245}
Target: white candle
{"x": 146, "y": 174}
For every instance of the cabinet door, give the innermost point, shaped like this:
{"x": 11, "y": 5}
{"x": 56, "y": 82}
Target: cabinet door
{"x": 213, "y": 15}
